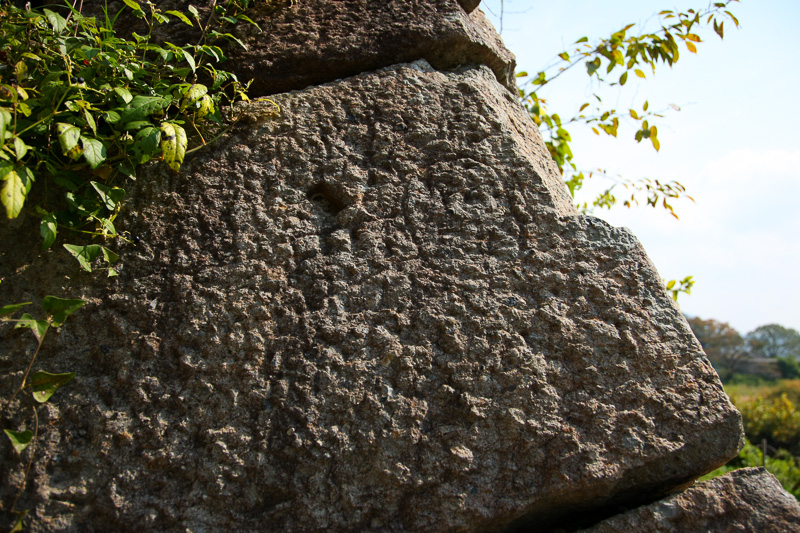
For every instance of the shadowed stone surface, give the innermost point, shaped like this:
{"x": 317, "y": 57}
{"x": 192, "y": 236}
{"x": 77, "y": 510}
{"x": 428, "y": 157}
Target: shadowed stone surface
{"x": 469, "y": 5}
{"x": 750, "y": 499}
{"x": 318, "y": 41}
{"x": 376, "y": 311}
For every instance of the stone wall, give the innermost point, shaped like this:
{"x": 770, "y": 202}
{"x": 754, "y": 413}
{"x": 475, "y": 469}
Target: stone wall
{"x": 377, "y": 311}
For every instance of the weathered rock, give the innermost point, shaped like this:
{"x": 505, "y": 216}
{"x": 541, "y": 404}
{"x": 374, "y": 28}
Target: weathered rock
{"x": 318, "y": 41}
{"x": 377, "y": 310}
{"x": 469, "y": 5}
{"x": 750, "y": 499}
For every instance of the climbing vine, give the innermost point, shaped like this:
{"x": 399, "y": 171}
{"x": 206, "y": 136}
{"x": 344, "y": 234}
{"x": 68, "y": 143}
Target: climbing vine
{"x": 82, "y": 108}
{"x": 42, "y": 385}
{"x": 629, "y": 53}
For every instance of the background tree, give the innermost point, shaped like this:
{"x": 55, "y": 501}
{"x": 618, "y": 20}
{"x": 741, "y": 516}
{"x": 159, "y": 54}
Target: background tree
{"x": 774, "y": 341}
{"x": 724, "y": 346}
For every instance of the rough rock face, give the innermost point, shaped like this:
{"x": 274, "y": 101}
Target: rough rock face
{"x": 318, "y": 41}
{"x": 321, "y": 40}
{"x": 750, "y": 499}
{"x": 377, "y": 310}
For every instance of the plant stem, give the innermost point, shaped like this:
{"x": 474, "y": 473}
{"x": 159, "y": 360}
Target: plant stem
{"x": 27, "y": 371}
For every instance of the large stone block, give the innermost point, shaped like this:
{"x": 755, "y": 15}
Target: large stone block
{"x": 377, "y": 310}
{"x": 318, "y": 41}
{"x": 750, "y": 499}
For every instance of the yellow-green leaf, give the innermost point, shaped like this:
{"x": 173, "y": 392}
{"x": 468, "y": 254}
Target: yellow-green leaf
{"x": 5, "y": 123}
{"x": 15, "y": 188}
{"x": 656, "y": 143}
{"x": 20, "y": 148}
{"x": 21, "y": 70}
{"x": 133, "y": 5}
{"x": 639, "y": 73}
{"x": 181, "y": 16}
{"x": 193, "y": 94}
{"x": 68, "y": 137}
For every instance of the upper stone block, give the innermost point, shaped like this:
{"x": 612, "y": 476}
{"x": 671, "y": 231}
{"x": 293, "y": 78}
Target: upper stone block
{"x": 317, "y": 41}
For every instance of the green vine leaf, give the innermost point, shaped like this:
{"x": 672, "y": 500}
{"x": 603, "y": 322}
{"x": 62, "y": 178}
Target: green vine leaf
{"x": 19, "y": 439}
{"x": 194, "y": 93}
{"x": 84, "y": 254}
{"x": 60, "y": 308}
{"x": 111, "y": 196}
{"x": 93, "y": 151}
{"x": 38, "y": 327}
{"x": 45, "y": 384}
{"x": 124, "y": 94}
{"x": 48, "y": 228}
{"x": 56, "y": 21}
{"x": 141, "y": 107}
{"x": 20, "y": 148}
{"x": 99, "y": 98}
{"x": 12, "y": 308}
{"x": 109, "y": 255}
{"x": 87, "y": 254}
{"x": 146, "y": 143}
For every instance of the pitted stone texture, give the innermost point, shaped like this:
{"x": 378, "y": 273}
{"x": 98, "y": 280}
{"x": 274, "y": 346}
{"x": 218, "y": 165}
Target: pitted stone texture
{"x": 376, "y": 311}
{"x": 318, "y": 41}
{"x": 750, "y": 499}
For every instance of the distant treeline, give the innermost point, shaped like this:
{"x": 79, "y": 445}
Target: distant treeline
{"x": 767, "y": 350}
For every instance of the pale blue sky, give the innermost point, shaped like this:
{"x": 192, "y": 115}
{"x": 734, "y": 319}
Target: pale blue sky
{"x": 734, "y": 145}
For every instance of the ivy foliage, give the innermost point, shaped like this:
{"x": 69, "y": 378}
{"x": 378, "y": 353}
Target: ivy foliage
{"x": 82, "y": 108}
{"x": 42, "y": 385}
{"x": 610, "y": 61}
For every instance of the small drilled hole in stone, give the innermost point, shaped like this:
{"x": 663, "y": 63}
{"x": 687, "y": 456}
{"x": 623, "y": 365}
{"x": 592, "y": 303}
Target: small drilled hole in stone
{"x": 324, "y": 195}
